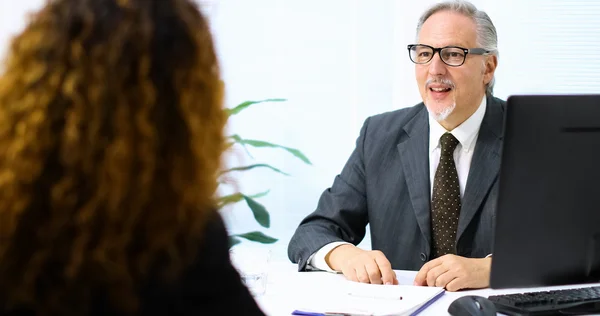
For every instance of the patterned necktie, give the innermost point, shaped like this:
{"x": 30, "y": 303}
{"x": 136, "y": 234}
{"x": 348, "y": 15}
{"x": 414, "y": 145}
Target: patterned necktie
{"x": 445, "y": 200}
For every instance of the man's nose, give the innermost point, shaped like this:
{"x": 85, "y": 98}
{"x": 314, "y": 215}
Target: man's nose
{"x": 436, "y": 66}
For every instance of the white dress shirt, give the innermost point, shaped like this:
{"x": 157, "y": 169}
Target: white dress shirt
{"x": 466, "y": 134}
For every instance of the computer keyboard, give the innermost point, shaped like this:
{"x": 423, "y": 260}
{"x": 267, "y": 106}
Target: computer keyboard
{"x": 577, "y": 301}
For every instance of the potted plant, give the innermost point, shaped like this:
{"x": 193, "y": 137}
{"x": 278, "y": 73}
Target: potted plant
{"x": 260, "y": 213}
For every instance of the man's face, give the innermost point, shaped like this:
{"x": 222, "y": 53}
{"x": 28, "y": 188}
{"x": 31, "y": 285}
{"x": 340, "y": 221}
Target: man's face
{"x": 452, "y": 94}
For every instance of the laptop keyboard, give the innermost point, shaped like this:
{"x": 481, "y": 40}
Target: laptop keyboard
{"x": 572, "y": 301}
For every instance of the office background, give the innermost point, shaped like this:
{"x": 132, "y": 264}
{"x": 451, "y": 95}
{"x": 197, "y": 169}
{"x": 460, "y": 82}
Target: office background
{"x": 338, "y": 62}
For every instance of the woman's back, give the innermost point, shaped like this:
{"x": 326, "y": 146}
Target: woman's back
{"x": 111, "y": 134}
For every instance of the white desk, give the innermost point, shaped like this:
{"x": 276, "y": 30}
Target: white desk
{"x": 288, "y": 289}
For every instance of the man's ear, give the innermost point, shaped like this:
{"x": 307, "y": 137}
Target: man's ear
{"x": 491, "y": 62}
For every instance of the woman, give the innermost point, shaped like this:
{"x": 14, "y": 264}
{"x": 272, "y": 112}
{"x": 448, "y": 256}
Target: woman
{"x": 111, "y": 134}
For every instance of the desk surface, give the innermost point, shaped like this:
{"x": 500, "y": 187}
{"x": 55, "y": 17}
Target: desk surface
{"x": 287, "y": 288}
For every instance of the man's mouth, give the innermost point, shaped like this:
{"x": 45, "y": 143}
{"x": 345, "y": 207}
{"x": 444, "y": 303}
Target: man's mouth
{"x": 440, "y": 89}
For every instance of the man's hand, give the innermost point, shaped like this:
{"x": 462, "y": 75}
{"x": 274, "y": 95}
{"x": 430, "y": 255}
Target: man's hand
{"x": 361, "y": 266}
{"x": 455, "y": 273}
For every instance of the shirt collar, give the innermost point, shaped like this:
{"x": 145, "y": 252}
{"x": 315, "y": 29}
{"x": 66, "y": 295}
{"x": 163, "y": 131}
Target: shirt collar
{"x": 465, "y": 133}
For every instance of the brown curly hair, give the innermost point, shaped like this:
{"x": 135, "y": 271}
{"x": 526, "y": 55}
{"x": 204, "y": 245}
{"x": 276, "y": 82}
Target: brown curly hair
{"x": 111, "y": 135}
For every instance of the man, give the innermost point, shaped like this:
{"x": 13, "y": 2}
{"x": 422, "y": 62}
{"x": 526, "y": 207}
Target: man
{"x": 424, "y": 177}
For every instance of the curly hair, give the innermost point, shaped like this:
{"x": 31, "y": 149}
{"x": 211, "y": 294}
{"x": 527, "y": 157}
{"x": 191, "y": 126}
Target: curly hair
{"x": 111, "y": 135}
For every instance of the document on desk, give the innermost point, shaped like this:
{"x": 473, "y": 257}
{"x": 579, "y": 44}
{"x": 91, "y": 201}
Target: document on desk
{"x": 373, "y": 300}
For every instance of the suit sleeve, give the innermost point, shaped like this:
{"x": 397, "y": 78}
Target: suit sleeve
{"x": 341, "y": 213}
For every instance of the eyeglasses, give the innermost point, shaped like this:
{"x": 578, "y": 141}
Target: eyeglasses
{"x": 451, "y": 55}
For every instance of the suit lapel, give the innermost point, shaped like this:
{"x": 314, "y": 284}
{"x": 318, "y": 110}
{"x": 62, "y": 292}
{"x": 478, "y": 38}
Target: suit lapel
{"x": 413, "y": 149}
{"x": 484, "y": 165}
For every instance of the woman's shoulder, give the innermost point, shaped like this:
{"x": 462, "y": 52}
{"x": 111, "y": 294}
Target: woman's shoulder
{"x": 209, "y": 286}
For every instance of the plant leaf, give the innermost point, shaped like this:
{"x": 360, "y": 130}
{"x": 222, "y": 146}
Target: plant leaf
{"x": 261, "y": 165}
{"x": 298, "y": 154}
{"x": 258, "y": 237}
{"x": 231, "y": 198}
{"x": 259, "y": 211}
{"x": 236, "y": 197}
{"x": 244, "y": 105}
{"x": 237, "y": 139}
{"x": 229, "y": 145}
{"x": 259, "y": 143}
{"x": 259, "y": 195}
{"x": 233, "y": 241}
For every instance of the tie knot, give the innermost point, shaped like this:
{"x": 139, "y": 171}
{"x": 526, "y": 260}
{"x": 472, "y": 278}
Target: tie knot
{"x": 448, "y": 143}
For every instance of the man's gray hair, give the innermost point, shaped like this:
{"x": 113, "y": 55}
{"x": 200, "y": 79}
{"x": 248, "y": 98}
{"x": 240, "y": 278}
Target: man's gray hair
{"x": 487, "y": 37}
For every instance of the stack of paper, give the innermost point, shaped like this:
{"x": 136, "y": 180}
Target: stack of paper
{"x": 375, "y": 300}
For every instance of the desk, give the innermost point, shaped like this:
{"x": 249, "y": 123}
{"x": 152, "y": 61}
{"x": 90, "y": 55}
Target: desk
{"x": 288, "y": 289}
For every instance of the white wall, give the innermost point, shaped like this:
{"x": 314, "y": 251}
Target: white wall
{"x": 339, "y": 61}
{"x": 13, "y": 16}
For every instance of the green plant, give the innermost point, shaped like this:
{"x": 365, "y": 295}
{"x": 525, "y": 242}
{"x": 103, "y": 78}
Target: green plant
{"x": 261, "y": 215}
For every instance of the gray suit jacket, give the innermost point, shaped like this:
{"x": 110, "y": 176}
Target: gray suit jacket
{"x": 386, "y": 183}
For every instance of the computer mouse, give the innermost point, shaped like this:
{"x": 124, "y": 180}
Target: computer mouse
{"x": 472, "y": 305}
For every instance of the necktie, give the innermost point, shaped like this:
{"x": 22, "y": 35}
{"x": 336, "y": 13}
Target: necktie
{"x": 445, "y": 200}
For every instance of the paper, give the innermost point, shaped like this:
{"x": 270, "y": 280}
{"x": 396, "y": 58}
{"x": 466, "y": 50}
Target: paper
{"x": 374, "y": 300}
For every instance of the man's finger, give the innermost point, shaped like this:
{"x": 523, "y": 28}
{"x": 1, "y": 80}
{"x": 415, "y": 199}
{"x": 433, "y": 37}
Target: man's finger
{"x": 455, "y": 285}
{"x": 361, "y": 274}
{"x": 373, "y": 272}
{"x": 434, "y": 273}
{"x": 350, "y": 274}
{"x": 388, "y": 276}
{"x": 421, "y": 278}
{"x": 445, "y": 278}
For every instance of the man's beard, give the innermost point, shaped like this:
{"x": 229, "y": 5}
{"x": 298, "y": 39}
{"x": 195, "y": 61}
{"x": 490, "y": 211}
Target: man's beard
{"x": 445, "y": 112}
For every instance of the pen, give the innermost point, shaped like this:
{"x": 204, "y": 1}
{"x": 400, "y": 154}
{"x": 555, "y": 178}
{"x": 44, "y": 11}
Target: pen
{"x": 377, "y": 296}
{"x": 306, "y": 313}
